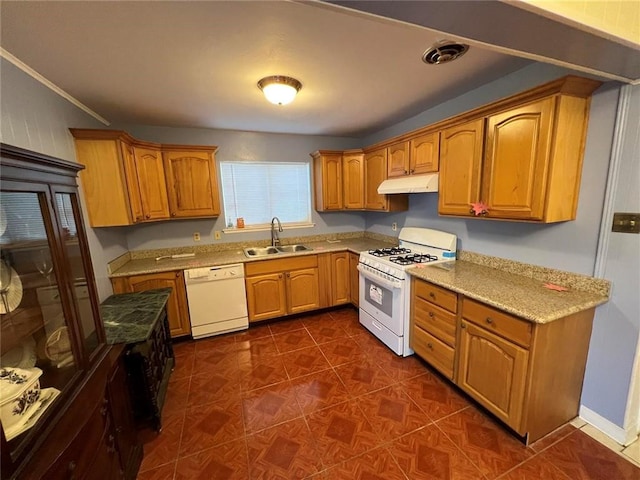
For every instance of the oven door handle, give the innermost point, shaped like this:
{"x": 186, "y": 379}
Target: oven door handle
{"x": 380, "y": 280}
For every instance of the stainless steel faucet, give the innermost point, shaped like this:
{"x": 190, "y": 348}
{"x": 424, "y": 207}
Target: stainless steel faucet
{"x": 275, "y": 240}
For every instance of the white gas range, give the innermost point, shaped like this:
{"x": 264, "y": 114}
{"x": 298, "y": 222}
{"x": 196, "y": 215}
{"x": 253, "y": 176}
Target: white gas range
{"x": 385, "y": 286}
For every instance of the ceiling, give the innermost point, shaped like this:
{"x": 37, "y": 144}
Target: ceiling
{"x": 196, "y": 63}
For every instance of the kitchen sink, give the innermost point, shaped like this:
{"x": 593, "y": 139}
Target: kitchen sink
{"x": 260, "y": 251}
{"x": 254, "y": 252}
{"x": 293, "y": 248}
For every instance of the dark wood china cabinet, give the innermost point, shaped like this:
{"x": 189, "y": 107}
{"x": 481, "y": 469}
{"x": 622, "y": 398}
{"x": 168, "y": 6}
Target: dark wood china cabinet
{"x": 72, "y": 417}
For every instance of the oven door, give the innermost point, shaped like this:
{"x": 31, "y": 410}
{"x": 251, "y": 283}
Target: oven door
{"x": 383, "y": 300}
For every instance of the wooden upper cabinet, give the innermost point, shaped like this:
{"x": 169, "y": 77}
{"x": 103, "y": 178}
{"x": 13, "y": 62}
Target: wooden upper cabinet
{"x": 152, "y": 182}
{"x": 531, "y": 166}
{"x": 353, "y": 179}
{"x": 375, "y": 168}
{"x": 327, "y": 177}
{"x": 144, "y": 181}
{"x": 424, "y": 154}
{"x": 192, "y": 183}
{"x": 398, "y": 160}
{"x": 516, "y": 162}
{"x": 460, "y": 167}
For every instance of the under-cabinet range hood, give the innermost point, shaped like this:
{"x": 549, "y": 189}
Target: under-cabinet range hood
{"x": 411, "y": 184}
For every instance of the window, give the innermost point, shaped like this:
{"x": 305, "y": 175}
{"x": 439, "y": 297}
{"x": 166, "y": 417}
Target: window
{"x": 259, "y": 191}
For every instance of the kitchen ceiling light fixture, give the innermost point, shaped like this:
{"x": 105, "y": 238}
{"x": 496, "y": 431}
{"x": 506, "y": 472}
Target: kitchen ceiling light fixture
{"x": 279, "y": 89}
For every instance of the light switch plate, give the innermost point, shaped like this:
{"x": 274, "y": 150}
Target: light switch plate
{"x": 626, "y": 222}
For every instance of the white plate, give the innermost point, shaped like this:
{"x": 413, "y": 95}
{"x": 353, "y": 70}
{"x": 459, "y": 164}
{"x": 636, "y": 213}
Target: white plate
{"x": 3, "y": 221}
{"x": 13, "y": 293}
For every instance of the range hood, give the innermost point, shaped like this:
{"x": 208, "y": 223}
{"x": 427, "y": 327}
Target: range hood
{"x": 411, "y": 184}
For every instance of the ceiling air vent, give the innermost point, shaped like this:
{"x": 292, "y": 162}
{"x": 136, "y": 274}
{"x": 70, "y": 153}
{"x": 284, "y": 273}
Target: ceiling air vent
{"x": 443, "y": 52}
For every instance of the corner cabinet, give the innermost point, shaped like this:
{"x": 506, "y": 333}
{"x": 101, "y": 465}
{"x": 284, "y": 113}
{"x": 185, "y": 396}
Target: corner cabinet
{"x": 144, "y": 181}
{"x": 527, "y": 374}
{"x": 63, "y": 423}
{"x": 177, "y": 306}
{"x": 520, "y": 158}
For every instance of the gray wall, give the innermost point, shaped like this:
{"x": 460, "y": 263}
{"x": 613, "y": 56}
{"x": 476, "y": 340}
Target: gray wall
{"x": 36, "y": 118}
{"x": 617, "y": 323}
{"x": 238, "y": 145}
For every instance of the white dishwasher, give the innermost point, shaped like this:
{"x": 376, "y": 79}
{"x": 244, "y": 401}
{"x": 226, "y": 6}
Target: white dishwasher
{"x": 217, "y": 300}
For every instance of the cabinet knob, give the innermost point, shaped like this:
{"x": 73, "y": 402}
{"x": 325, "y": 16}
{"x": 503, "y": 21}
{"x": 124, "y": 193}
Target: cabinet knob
{"x": 138, "y": 218}
{"x": 280, "y": 276}
{"x": 411, "y": 171}
{"x": 288, "y": 275}
{"x": 430, "y": 345}
{"x": 72, "y": 466}
{"x": 431, "y": 314}
{"x": 173, "y": 214}
{"x": 432, "y": 295}
{"x": 463, "y": 326}
{"x": 489, "y": 320}
{"x": 406, "y": 172}
{"x": 147, "y": 216}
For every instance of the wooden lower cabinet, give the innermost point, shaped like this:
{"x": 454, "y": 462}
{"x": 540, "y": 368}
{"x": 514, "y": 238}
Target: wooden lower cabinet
{"x": 493, "y": 371}
{"x": 529, "y": 375}
{"x": 340, "y": 281}
{"x": 276, "y": 288}
{"x": 177, "y": 309}
{"x": 354, "y": 278}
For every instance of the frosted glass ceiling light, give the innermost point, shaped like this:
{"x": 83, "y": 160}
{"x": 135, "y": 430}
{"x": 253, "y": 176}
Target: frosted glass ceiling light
{"x": 278, "y": 89}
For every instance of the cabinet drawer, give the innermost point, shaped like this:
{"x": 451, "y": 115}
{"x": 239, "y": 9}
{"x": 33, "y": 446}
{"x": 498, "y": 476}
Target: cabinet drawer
{"x": 435, "y": 320}
{"x": 440, "y": 296}
{"x": 281, "y": 265}
{"x": 433, "y": 351}
{"x": 498, "y": 322}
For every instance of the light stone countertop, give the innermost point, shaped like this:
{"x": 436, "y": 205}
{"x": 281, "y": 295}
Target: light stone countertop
{"x": 520, "y": 295}
{"x": 141, "y": 266}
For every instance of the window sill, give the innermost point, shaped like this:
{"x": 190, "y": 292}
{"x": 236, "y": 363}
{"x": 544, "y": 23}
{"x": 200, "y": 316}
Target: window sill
{"x": 266, "y": 228}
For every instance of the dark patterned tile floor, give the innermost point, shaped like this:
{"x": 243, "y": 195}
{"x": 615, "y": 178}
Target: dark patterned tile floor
{"x": 319, "y": 397}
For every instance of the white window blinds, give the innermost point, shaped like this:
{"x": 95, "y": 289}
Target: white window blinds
{"x": 259, "y": 191}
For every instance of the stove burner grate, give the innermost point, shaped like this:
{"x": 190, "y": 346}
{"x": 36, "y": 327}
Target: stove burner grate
{"x": 386, "y": 252}
{"x": 413, "y": 258}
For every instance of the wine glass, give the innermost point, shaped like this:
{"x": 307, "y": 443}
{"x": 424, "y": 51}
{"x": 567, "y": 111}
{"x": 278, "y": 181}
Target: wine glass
{"x": 43, "y": 264}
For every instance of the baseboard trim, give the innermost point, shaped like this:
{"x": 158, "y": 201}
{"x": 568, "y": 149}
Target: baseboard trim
{"x": 618, "y": 434}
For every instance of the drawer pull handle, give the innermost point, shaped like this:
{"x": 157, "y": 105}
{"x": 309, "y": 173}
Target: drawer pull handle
{"x": 432, "y": 295}
{"x": 430, "y": 345}
{"x": 489, "y": 320}
{"x": 431, "y": 314}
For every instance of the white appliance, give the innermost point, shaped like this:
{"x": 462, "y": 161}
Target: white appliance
{"x": 385, "y": 287}
{"x": 217, "y": 300}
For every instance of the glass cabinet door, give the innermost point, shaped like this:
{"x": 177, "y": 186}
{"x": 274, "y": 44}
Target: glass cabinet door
{"x": 70, "y": 221}
{"x": 38, "y": 356}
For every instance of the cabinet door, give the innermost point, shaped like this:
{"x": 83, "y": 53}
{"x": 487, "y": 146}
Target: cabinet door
{"x": 106, "y": 181}
{"x": 354, "y": 278}
{"x": 266, "y": 296}
{"x": 493, "y": 371}
{"x": 179, "y": 324}
{"x": 460, "y": 168}
{"x": 398, "y": 158}
{"x": 153, "y": 185}
{"x": 340, "y": 281}
{"x": 328, "y": 181}
{"x": 375, "y": 172}
{"x": 424, "y": 154}
{"x": 192, "y": 184}
{"x": 353, "y": 181}
{"x": 133, "y": 183}
{"x": 516, "y": 161}
{"x": 303, "y": 291}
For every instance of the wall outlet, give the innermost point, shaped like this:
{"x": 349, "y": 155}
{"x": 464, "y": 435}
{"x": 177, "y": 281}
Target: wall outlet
{"x": 196, "y": 236}
{"x": 394, "y": 226}
{"x": 217, "y": 235}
